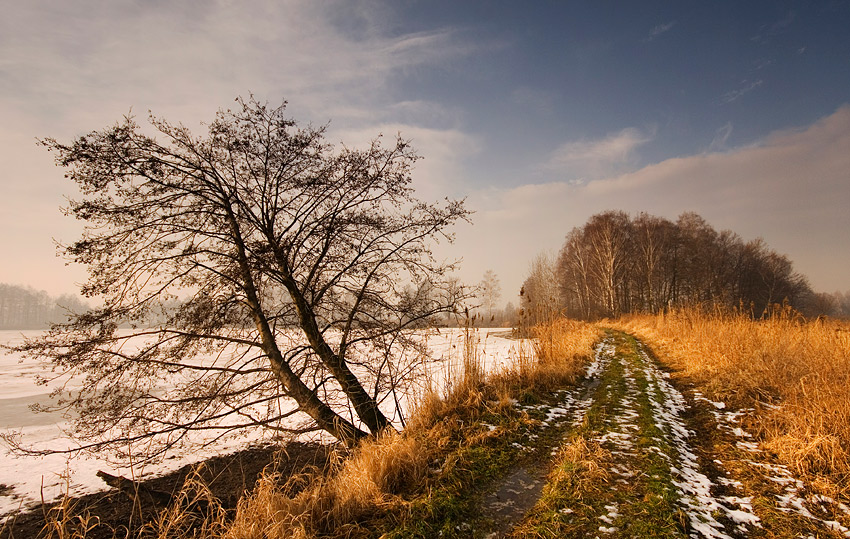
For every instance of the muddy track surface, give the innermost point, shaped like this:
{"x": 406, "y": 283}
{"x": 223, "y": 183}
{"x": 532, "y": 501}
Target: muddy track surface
{"x": 640, "y": 458}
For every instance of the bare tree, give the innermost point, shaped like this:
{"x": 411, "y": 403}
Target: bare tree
{"x": 540, "y": 295}
{"x": 614, "y": 264}
{"x": 608, "y": 236}
{"x": 293, "y": 261}
{"x": 767, "y": 278}
{"x": 574, "y": 277}
{"x": 653, "y": 239}
{"x": 490, "y": 292}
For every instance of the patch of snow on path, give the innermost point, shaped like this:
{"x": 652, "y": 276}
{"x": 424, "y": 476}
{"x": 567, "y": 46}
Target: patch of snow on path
{"x": 602, "y": 355}
{"x": 694, "y": 486}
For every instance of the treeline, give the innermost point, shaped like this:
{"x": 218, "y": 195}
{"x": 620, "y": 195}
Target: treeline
{"x": 836, "y": 304}
{"x": 27, "y": 308}
{"x": 616, "y": 264}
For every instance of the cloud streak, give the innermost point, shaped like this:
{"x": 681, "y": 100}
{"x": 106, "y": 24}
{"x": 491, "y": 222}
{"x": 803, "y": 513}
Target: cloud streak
{"x": 660, "y": 29}
{"x": 585, "y": 160}
{"x": 747, "y": 87}
{"x": 189, "y": 59}
{"x": 718, "y": 143}
{"x": 768, "y": 31}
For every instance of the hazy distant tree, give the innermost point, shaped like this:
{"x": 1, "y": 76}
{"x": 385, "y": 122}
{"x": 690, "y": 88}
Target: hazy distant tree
{"x": 540, "y": 294}
{"x": 26, "y": 308}
{"x": 822, "y": 304}
{"x": 297, "y": 265}
{"x": 510, "y": 315}
{"x": 842, "y": 304}
{"x": 490, "y": 292}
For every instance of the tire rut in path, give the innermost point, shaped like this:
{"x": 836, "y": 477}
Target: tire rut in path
{"x": 515, "y": 494}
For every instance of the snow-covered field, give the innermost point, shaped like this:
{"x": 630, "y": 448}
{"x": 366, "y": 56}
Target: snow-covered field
{"x": 25, "y": 480}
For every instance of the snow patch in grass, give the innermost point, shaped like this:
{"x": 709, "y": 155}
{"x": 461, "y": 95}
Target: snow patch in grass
{"x": 694, "y": 486}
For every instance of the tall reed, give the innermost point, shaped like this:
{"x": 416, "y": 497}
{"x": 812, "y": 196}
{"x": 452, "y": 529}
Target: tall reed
{"x": 367, "y": 482}
{"x": 555, "y": 357}
{"x": 334, "y": 501}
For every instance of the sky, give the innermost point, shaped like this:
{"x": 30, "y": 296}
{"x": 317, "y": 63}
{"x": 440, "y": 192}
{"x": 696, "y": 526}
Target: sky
{"x": 539, "y": 114}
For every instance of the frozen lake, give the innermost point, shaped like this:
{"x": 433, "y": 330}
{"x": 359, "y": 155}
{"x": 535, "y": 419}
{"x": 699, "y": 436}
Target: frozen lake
{"x": 23, "y": 480}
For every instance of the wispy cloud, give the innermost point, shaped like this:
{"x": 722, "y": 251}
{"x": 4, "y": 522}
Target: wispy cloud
{"x": 718, "y": 143}
{"x": 657, "y": 30}
{"x": 747, "y": 87}
{"x": 186, "y": 60}
{"x": 764, "y": 63}
{"x": 585, "y": 160}
{"x": 769, "y": 30}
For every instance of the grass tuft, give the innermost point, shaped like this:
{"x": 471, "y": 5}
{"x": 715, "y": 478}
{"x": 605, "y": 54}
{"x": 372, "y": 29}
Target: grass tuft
{"x": 195, "y": 512}
{"x": 361, "y": 487}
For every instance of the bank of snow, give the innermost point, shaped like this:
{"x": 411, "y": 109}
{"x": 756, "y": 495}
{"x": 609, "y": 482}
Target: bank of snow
{"x": 25, "y": 479}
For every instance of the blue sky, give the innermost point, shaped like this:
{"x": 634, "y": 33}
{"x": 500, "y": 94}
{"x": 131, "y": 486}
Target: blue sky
{"x": 539, "y": 113}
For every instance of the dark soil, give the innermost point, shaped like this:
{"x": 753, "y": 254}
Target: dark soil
{"x": 227, "y": 477}
{"x": 512, "y": 497}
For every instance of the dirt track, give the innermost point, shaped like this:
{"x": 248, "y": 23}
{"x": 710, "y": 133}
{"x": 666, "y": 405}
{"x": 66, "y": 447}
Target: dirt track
{"x": 643, "y": 459}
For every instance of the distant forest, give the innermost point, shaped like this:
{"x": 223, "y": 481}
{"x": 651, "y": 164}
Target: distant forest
{"x": 617, "y": 264}
{"x": 27, "y": 308}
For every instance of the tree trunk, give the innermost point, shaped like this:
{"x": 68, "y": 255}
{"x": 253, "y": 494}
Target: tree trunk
{"x": 306, "y": 399}
{"x": 365, "y": 406}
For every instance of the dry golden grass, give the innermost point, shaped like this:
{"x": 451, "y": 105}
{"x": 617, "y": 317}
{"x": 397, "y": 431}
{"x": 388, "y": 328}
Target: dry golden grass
{"x": 195, "y": 512}
{"x": 341, "y": 500}
{"x": 561, "y": 350}
{"x": 320, "y": 502}
{"x": 62, "y": 521}
{"x": 801, "y": 367}
{"x": 367, "y": 482}
{"x": 580, "y": 464}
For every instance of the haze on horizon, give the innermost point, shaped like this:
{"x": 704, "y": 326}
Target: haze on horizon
{"x": 539, "y": 117}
